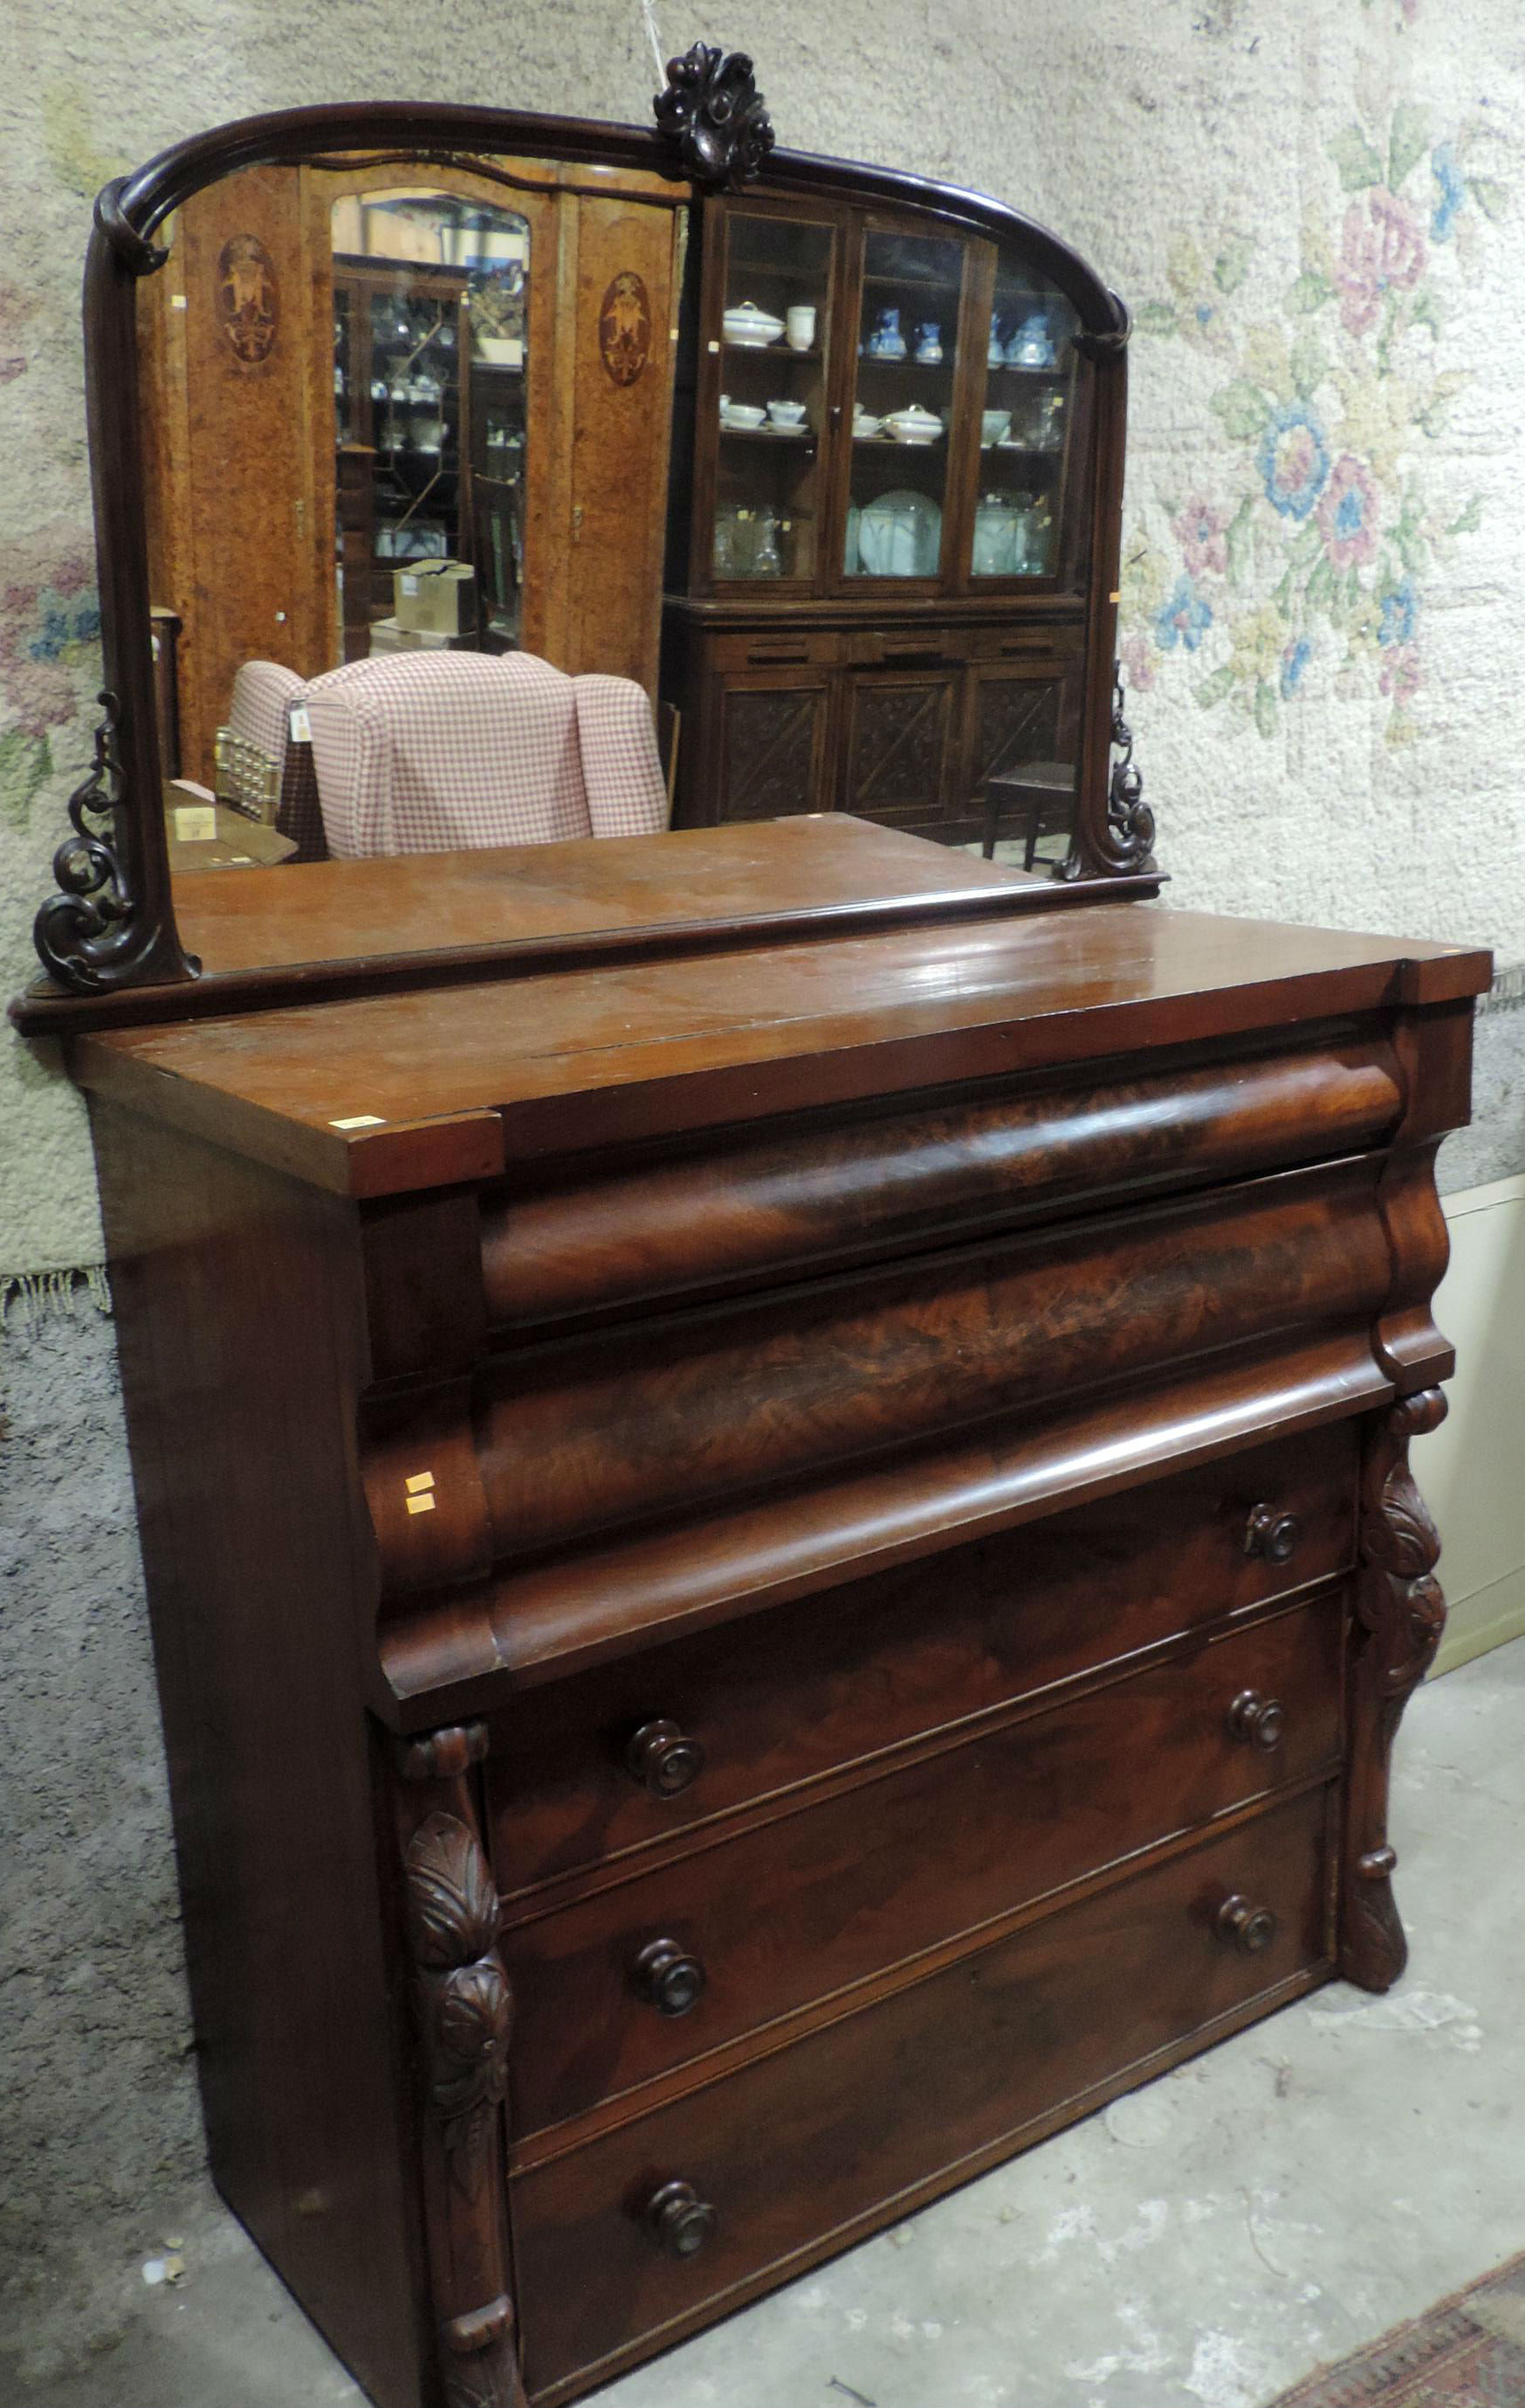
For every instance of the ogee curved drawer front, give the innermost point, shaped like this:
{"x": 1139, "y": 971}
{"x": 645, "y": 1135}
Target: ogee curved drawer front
{"x": 837, "y": 1190}
{"x": 665, "y": 1415}
{"x": 812, "y": 2146}
{"x": 799, "y": 1693}
{"x": 609, "y": 1991}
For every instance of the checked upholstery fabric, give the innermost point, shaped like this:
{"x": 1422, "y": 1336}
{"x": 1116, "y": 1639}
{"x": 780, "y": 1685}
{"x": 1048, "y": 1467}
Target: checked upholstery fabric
{"x": 444, "y": 752}
{"x": 439, "y": 751}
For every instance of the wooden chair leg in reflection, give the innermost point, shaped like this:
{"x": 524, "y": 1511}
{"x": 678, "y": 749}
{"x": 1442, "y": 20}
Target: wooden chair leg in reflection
{"x": 1043, "y": 791}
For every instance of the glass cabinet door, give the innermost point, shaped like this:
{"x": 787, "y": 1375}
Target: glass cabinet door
{"x": 346, "y": 424}
{"x": 1025, "y": 428}
{"x": 903, "y": 390}
{"x": 415, "y": 409}
{"x": 774, "y": 339}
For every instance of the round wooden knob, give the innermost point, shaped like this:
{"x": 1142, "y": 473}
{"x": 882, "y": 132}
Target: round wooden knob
{"x": 668, "y": 1978}
{"x": 681, "y": 2221}
{"x": 1262, "y": 1721}
{"x": 1247, "y": 1927}
{"x": 663, "y": 1759}
{"x": 1272, "y": 1535}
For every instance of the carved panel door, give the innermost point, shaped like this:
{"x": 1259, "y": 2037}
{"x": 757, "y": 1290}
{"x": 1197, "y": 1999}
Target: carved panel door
{"x": 901, "y": 736}
{"x": 773, "y": 756}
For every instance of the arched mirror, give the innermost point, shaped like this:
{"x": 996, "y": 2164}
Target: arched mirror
{"x": 449, "y": 462}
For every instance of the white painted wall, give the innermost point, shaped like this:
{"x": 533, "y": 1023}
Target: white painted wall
{"x": 1472, "y": 1469}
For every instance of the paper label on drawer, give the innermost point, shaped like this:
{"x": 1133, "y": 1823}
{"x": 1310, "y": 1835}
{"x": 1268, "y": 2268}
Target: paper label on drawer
{"x": 194, "y": 823}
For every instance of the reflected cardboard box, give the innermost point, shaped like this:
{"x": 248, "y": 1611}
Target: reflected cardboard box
{"x": 436, "y": 598}
{"x": 391, "y": 636}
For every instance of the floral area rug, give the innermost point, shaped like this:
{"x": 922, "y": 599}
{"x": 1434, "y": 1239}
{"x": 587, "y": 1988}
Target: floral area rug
{"x": 1467, "y": 2353}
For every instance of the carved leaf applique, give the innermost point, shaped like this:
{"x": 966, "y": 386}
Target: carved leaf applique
{"x": 1407, "y": 1542}
{"x": 451, "y": 1900}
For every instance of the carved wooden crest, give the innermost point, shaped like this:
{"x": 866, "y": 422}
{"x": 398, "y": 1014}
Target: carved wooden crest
{"x": 625, "y": 328}
{"x": 715, "y": 117}
{"x": 247, "y": 299}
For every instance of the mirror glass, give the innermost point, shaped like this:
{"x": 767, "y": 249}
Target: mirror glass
{"x": 347, "y": 382}
{"x": 429, "y": 342}
{"x": 432, "y": 447}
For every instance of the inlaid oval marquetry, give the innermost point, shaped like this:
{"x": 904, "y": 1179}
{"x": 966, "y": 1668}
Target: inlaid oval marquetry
{"x": 625, "y": 328}
{"x": 247, "y": 299}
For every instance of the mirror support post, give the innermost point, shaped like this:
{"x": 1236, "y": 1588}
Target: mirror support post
{"x": 112, "y": 923}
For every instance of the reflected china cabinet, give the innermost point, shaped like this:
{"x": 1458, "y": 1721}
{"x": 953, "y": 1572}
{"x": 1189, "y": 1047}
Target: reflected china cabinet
{"x": 432, "y": 444}
{"x": 879, "y": 591}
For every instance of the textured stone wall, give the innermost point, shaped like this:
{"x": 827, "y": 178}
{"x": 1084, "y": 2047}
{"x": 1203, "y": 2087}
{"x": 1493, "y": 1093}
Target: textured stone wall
{"x": 1314, "y": 209}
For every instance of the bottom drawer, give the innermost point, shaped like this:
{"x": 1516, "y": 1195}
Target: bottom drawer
{"x": 839, "y": 2131}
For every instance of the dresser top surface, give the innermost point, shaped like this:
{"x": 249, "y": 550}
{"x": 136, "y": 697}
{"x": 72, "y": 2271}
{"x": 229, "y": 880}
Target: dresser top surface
{"x": 395, "y": 1092}
{"x": 804, "y": 868}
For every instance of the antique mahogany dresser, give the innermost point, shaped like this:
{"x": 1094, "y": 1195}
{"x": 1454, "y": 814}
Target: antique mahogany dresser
{"x": 773, "y": 1467}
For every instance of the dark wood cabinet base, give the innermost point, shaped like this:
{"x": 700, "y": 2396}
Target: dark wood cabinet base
{"x": 772, "y": 1574}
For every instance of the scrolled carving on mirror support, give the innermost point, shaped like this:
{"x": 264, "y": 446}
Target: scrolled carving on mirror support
{"x": 77, "y": 929}
{"x": 1129, "y": 816}
{"x": 714, "y": 114}
{"x": 1128, "y": 840}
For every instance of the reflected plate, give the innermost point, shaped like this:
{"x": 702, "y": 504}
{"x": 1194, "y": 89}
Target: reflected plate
{"x": 900, "y": 535}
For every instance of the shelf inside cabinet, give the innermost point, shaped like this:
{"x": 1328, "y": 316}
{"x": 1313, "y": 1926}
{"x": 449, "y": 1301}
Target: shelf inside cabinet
{"x": 793, "y": 271}
{"x": 878, "y": 278}
{"x": 805, "y": 442}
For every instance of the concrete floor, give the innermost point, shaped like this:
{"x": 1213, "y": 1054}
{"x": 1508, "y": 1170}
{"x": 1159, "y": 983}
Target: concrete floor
{"x": 1207, "y": 2241}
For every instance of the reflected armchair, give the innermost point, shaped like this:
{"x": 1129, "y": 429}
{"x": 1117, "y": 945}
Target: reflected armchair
{"x": 440, "y": 751}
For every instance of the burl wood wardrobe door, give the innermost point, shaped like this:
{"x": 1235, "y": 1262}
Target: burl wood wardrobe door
{"x": 620, "y": 266}
{"x": 240, "y": 442}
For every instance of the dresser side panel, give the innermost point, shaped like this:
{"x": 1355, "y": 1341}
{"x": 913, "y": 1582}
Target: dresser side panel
{"x": 238, "y": 1311}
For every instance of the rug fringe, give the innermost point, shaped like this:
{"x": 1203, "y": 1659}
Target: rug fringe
{"x": 36, "y": 1297}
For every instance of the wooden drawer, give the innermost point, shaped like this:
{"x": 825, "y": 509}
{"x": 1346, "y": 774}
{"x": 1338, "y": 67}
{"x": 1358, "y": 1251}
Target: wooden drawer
{"x": 580, "y": 1438}
{"x": 883, "y": 2109}
{"x": 1023, "y": 640}
{"x": 794, "y": 1910}
{"x": 911, "y": 647}
{"x": 830, "y": 1190}
{"x": 811, "y": 1687}
{"x": 791, "y": 648}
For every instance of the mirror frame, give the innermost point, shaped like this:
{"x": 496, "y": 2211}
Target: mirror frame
{"x": 108, "y": 938}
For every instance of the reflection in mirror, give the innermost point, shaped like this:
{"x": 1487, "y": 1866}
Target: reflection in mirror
{"x": 429, "y": 367}
{"x": 337, "y": 431}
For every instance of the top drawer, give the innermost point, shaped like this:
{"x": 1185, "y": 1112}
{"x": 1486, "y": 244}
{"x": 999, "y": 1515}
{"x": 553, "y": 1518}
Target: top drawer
{"x": 829, "y": 1190}
{"x": 739, "y": 1715}
{"x": 790, "y": 647}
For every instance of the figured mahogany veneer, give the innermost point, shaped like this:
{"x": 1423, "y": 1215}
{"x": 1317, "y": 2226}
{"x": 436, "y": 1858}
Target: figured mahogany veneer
{"x": 813, "y": 2145}
{"x": 944, "y": 1643}
{"x": 808, "y": 1904}
{"x": 774, "y": 1568}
